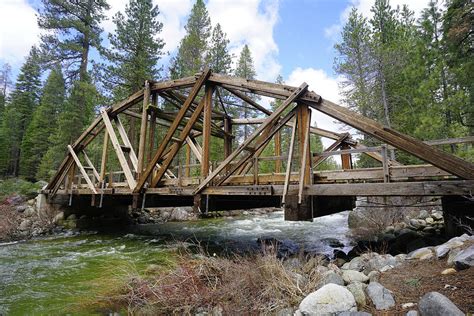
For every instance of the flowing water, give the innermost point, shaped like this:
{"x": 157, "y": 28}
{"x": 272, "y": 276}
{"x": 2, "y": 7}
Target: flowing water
{"x": 61, "y": 274}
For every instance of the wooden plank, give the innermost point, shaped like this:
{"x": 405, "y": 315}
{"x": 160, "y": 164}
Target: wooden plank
{"x": 81, "y": 169}
{"x": 187, "y": 170}
{"x": 386, "y": 172}
{"x": 450, "y": 163}
{"x": 288, "y": 164}
{"x": 103, "y": 164}
{"x": 143, "y": 129}
{"x": 164, "y": 143}
{"x": 346, "y": 158}
{"x": 206, "y": 133}
{"x": 249, "y": 100}
{"x": 118, "y": 150}
{"x": 227, "y": 139}
{"x": 304, "y": 123}
{"x": 277, "y": 151}
{"x": 127, "y": 143}
{"x": 331, "y": 150}
{"x": 449, "y": 141}
{"x": 194, "y": 148}
{"x": 152, "y": 128}
{"x": 270, "y": 120}
{"x": 89, "y": 163}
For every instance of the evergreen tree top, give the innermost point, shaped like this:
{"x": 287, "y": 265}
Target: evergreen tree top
{"x": 245, "y": 67}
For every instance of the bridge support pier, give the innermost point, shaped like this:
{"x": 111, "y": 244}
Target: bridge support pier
{"x": 458, "y": 214}
{"x": 315, "y": 206}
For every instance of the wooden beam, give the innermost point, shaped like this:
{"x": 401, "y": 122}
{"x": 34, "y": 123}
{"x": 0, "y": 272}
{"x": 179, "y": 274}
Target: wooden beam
{"x": 164, "y": 143}
{"x": 249, "y": 100}
{"x": 277, "y": 151}
{"x": 126, "y": 141}
{"x": 270, "y": 120}
{"x": 346, "y": 158}
{"x": 197, "y": 151}
{"x": 304, "y": 123}
{"x": 330, "y": 151}
{"x": 206, "y": 134}
{"x": 81, "y": 169}
{"x": 289, "y": 162}
{"x": 103, "y": 164}
{"x": 152, "y": 128}
{"x": 89, "y": 163}
{"x": 143, "y": 129}
{"x": 450, "y": 163}
{"x": 118, "y": 150}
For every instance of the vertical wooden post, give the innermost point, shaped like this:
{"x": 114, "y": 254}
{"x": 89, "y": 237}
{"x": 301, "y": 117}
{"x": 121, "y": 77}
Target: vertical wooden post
{"x": 346, "y": 158}
{"x": 386, "y": 171}
{"x": 152, "y": 127}
{"x": 304, "y": 119}
{"x": 188, "y": 161}
{"x": 103, "y": 164}
{"x": 277, "y": 151}
{"x": 227, "y": 138}
{"x": 255, "y": 170}
{"x": 143, "y": 128}
{"x": 288, "y": 164}
{"x": 206, "y": 131}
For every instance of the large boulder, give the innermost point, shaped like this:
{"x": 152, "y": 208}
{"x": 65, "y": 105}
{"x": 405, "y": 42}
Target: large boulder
{"x": 377, "y": 262}
{"x": 179, "y": 214}
{"x": 357, "y": 289}
{"x": 356, "y": 264}
{"x": 380, "y": 296}
{"x": 329, "y": 299}
{"x": 465, "y": 258}
{"x": 436, "y": 304}
{"x": 442, "y": 250}
{"x": 350, "y": 276}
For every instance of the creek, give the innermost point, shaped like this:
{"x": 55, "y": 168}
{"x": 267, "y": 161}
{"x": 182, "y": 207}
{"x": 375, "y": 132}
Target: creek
{"x": 62, "y": 273}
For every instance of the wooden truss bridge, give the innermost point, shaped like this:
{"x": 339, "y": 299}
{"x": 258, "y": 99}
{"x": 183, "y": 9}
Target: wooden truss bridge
{"x": 151, "y": 170}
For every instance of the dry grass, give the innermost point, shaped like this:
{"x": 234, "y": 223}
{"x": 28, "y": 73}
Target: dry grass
{"x": 9, "y": 221}
{"x": 259, "y": 284}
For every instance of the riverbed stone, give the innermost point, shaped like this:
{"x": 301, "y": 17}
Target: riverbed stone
{"x": 412, "y": 313}
{"x": 421, "y": 254}
{"x": 356, "y": 264}
{"x": 30, "y": 211}
{"x": 380, "y": 296}
{"x": 58, "y": 217}
{"x": 374, "y": 276}
{"x": 442, "y": 250}
{"x": 448, "y": 271}
{"x": 329, "y": 299}
{"x": 354, "y": 314}
{"x": 179, "y": 214}
{"x": 436, "y": 304}
{"x": 25, "y": 225}
{"x": 423, "y": 214}
{"x": 330, "y": 277}
{"x": 350, "y": 276}
{"x": 357, "y": 289}
{"x": 437, "y": 216}
{"x": 377, "y": 262}
{"x": 465, "y": 258}
{"x": 452, "y": 254}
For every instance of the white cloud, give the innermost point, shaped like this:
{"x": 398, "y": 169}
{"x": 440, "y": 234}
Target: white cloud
{"x": 326, "y": 86}
{"x": 364, "y": 6}
{"x": 18, "y": 30}
{"x": 250, "y": 22}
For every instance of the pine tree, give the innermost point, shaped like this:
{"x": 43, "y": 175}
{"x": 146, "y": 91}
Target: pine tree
{"x": 5, "y": 82}
{"x": 135, "y": 49}
{"x": 37, "y": 138}
{"x": 245, "y": 69}
{"x": 73, "y": 28}
{"x": 192, "y": 50}
{"x": 18, "y": 113}
{"x": 218, "y": 57}
{"x": 71, "y": 115}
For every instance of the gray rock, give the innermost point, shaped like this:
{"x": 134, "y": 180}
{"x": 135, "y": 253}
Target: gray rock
{"x": 452, "y": 254}
{"x": 423, "y": 214}
{"x": 356, "y": 264}
{"x": 436, "y": 304}
{"x": 421, "y": 254}
{"x": 59, "y": 217}
{"x": 377, "y": 262}
{"x": 331, "y": 298}
{"x": 465, "y": 258}
{"x": 354, "y": 314}
{"x": 25, "y": 225}
{"x": 179, "y": 214}
{"x": 442, "y": 250}
{"x": 330, "y": 277}
{"x": 437, "y": 216}
{"x": 357, "y": 289}
{"x": 429, "y": 220}
{"x": 412, "y": 313}
{"x": 285, "y": 312}
{"x": 21, "y": 208}
{"x": 374, "y": 276}
{"x": 30, "y": 211}
{"x": 380, "y": 296}
{"x": 350, "y": 276}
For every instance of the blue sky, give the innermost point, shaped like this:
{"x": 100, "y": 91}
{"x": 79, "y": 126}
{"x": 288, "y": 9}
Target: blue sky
{"x": 294, "y": 38}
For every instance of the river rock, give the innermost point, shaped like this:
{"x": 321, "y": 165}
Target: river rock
{"x": 72, "y": 217}
{"x": 330, "y": 277}
{"x": 377, "y": 262}
{"x": 421, "y": 254}
{"x": 285, "y": 312}
{"x": 25, "y": 225}
{"x": 380, "y": 296}
{"x": 374, "y": 276}
{"x": 356, "y": 264}
{"x": 354, "y": 314}
{"x": 329, "y": 299}
{"x": 411, "y": 313}
{"x": 179, "y": 214}
{"x": 333, "y": 242}
{"x": 58, "y": 217}
{"x": 465, "y": 258}
{"x": 429, "y": 220}
{"x": 357, "y": 289}
{"x": 442, "y": 250}
{"x": 408, "y": 305}
{"x": 423, "y": 214}
{"x": 350, "y": 276}
{"x": 21, "y": 208}
{"x": 30, "y": 211}
{"x": 436, "y": 304}
{"x": 448, "y": 271}
{"x": 437, "y": 216}
{"x": 452, "y": 254}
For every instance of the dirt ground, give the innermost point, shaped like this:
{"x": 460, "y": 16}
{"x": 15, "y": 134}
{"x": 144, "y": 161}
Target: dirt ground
{"x": 410, "y": 281}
